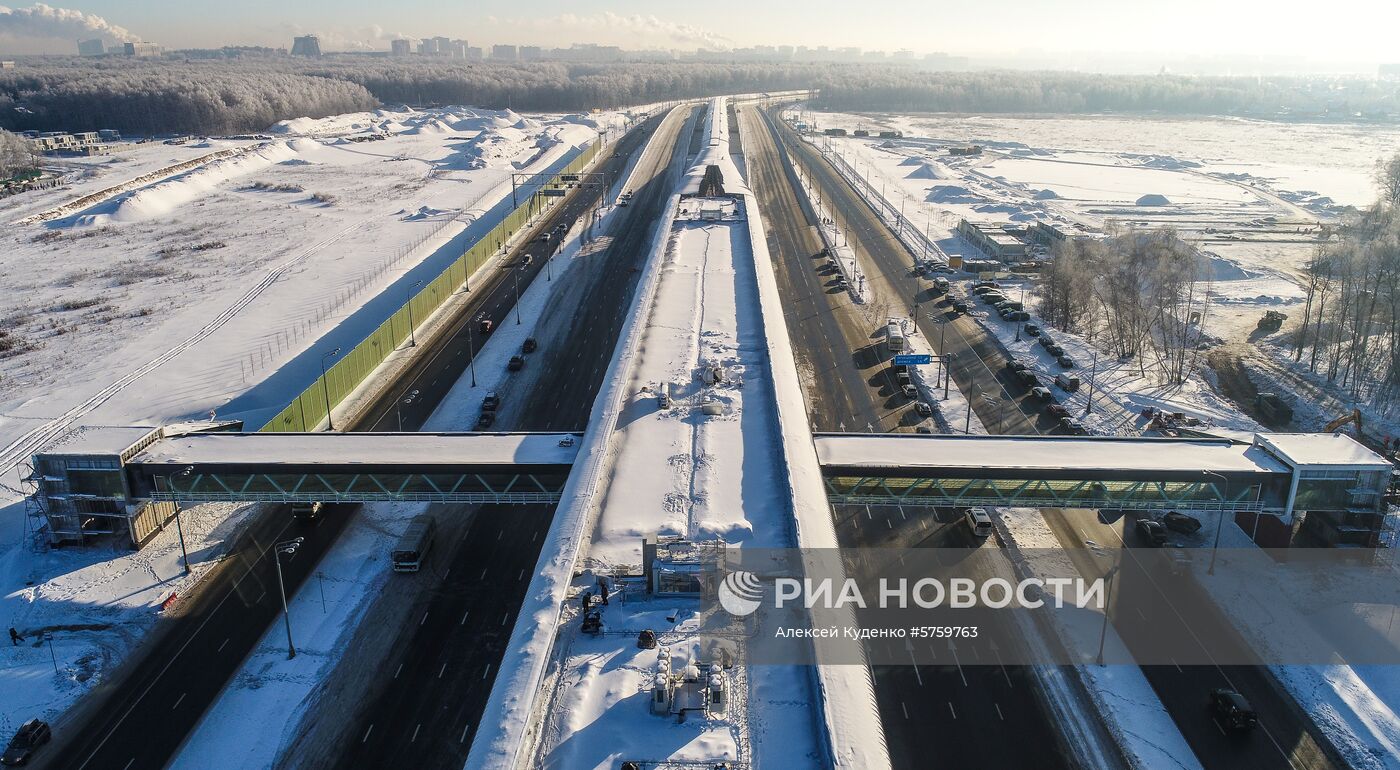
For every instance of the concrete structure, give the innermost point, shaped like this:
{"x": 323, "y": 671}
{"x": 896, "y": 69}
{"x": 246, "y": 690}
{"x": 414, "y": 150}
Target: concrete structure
{"x": 140, "y": 50}
{"x": 992, "y": 239}
{"x": 83, "y": 143}
{"x": 400, "y": 47}
{"x": 428, "y": 46}
{"x": 504, "y": 53}
{"x": 1052, "y": 234}
{"x": 91, "y": 48}
{"x": 7, "y": 65}
{"x": 306, "y": 45}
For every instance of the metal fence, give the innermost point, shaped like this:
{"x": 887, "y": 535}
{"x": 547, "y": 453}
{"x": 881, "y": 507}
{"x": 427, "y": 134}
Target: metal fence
{"x": 309, "y": 409}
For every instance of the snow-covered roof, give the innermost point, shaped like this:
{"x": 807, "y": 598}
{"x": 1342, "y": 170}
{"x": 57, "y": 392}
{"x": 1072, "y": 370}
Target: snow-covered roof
{"x": 1336, "y": 451}
{"x": 379, "y": 449}
{"x": 1043, "y": 454}
{"x": 101, "y": 440}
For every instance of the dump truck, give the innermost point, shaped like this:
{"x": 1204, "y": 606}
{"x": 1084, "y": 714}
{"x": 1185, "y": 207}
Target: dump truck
{"x": 1272, "y": 320}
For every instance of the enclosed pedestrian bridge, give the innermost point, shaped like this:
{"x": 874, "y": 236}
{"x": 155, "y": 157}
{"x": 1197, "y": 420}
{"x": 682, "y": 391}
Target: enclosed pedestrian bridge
{"x": 114, "y": 479}
{"x": 1273, "y": 473}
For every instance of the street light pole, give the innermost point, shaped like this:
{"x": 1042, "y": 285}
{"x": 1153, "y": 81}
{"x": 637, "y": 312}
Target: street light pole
{"x": 1020, "y": 324}
{"x": 471, "y": 350}
{"x": 515, "y": 276}
{"x": 412, "y": 338}
{"x": 326, "y": 388}
{"x": 180, "y": 530}
{"x": 1107, "y": 602}
{"x": 1219, "y": 522}
{"x": 288, "y": 547}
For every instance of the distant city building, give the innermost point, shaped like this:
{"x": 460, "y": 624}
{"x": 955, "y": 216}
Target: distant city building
{"x": 443, "y": 46}
{"x": 140, "y": 50}
{"x": 400, "y": 47}
{"x": 457, "y": 49}
{"x": 7, "y": 65}
{"x": 504, "y": 53}
{"x": 306, "y": 45}
{"x": 786, "y": 52}
{"x": 531, "y": 53}
{"x": 91, "y": 48}
{"x": 474, "y": 53}
{"x": 428, "y": 46}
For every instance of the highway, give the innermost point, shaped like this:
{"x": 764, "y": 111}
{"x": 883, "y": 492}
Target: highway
{"x": 421, "y": 708}
{"x": 1288, "y": 739}
{"x": 141, "y": 714}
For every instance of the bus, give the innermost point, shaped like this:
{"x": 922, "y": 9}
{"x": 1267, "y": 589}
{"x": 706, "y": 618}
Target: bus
{"x": 894, "y": 335}
{"x": 413, "y": 546}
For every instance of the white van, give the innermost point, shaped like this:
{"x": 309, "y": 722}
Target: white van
{"x": 663, "y": 395}
{"x": 979, "y": 521}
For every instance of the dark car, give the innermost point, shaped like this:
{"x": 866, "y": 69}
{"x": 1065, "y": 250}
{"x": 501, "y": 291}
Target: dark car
{"x": 1041, "y": 392}
{"x": 1017, "y": 365}
{"x": 923, "y": 408}
{"x": 1177, "y": 521}
{"x": 1028, "y": 378}
{"x": 1046, "y": 340}
{"x": 491, "y": 403}
{"x": 1065, "y": 360}
{"x": 485, "y": 325}
{"x": 1031, "y": 329}
{"x": 1058, "y": 411}
{"x": 529, "y": 345}
{"x": 1231, "y": 711}
{"x": 909, "y": 391}
{"x": 486, "y": 420}
{"x": 516, "y": 363}
{"x": 1054, "y": 350}
{"x": 959, "y": 307}
{"x": 27, "y": 740}
{"x": 1152, "y": 531}
{"x": 1072, "y": 426}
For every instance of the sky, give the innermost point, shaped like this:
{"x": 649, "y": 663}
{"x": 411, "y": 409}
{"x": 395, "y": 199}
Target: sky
{"x": 1356, "y": 32}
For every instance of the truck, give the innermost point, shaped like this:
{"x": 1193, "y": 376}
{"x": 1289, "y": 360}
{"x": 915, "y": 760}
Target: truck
{"x": 1273, "y": 408}
{"x": 1272, "y": 321}
{"x": 414, "y": 544}
{"x": 894, "y": 335}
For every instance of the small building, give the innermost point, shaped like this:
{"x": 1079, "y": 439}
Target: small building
{"x": 7, "y": 65}
{"x": 993, "y": 240}
{"x": 971, "y": 149}
{"x": 1338, "y": 486}
{"x": 141, "y": 50}
{"x": 91, "y": 48}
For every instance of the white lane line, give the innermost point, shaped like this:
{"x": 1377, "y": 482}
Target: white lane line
{"x": 464, "y": 618}
{"x": 424, "y": 620}
{"x": 504, "y": 618}
{"x": 463, "y": 739}
{"x": 999, "y": 716}
{"x": 221, "y": 646}
{"x": 367, "y": 732}
{"x": 398, "y": 671}
{"x": 178, "y": 701}
{"x": 414, "y": 739}
{"x": 487, "y": 671}
{"x": 442, "y": 671}
{"x": 905, "y": 709}
{"x": 951, "y": 710}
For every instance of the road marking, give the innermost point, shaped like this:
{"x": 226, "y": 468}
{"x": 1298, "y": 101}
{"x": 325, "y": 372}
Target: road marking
{"x": 463, "y": 739}
{"x": 424, "y": 620}
{"x": 398, "y": 671}
{"x": 998, "y": 708}
{"x": 442, "y": 671}
{"x": 888, "y": 525}
{"x": 951, "y": 710}
{"x": 959, "y": 663}
{"x": 464, "y": 618}
{"x": 129, "y": 763}
{"x": 1178, "y": 666}
{"x": 221, "y": 646}
{"x": 498, "y": 537}
{"x": 521, "y": 576}
{"x": 414, "y": 739}
{"x": 448, "y": 572}
{"x": 178, "y": 701}
{"x": 260, "y": 598}
{"x": 367, "y": 732}
{"x": 1003, "y": 669}
{"x": 483, "y": 574}
{"x": 487, "y": 671}
{"x": 504, "y": 618}
{"x": 905, "y": 709}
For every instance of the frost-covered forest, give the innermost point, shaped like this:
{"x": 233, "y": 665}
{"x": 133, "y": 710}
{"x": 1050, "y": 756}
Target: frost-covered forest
{"x": 191, "y": 94}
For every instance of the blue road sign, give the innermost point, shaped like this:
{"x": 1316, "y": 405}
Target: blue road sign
{"x": 913, "y": 359}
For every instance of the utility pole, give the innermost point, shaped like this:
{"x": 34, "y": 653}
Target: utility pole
{"x": 408, "y": 303}
{"x": 326, "y": 388}
{"x": 1093, "y": 372}
{"x": 288, "y": 547}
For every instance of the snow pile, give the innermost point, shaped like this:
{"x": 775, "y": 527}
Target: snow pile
{"x": 426, "y": 212}
{"x": 927, "y": 171}
{"x": 1153, "y": 199}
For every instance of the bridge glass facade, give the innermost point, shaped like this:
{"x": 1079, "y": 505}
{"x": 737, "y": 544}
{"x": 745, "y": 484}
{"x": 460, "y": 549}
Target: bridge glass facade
{"x": 1041, "y": 493}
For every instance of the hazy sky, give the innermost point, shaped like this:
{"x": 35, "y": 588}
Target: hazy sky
{"x": 1358, "y": 31}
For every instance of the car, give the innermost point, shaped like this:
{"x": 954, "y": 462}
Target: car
{"x": 307, "y": 512}
{"x": 1041, "y": 392}
{"x": 1018, "y": 315}
{"x": 485, "y": 325}
{"x": 1028, "y": 378}
{"x": 983, "y": 289}
{"x": 1065, "y": 360}
{"x": 1069, "y": 383}
{"x": 1058, "y": 411}
{"x": 992, "y": 298}
{"x": 516, "y": 364}
{"x": 909, "y": 391}
{"x": 486, "y": 420}
{"x": 1010, "y": 304}
{"x": 30, "y": 736}
{"x": 923, "y": 408}
{"x": 1072, "y": 426}
{"x": 1180, "y": 522}
{"x": 1017, "y": 365}
{"x": 1232, "y": 711}
{"x": 986, "y": 285}
{"x": 529, "y": 345}
{"x": 1054, "y": 350}
{"x": 959, "y": 307}
{"x": 1031, "y": 329}
{"x": 491, "y": 402}
{"x": 546, "y": 238}
{"x": 979, "y": 521}
{"x": 902, "y": 379}
{"x": 923, "y": 429}
{"x": 1151, "y": 531}
{"x": 1046, "y": 340}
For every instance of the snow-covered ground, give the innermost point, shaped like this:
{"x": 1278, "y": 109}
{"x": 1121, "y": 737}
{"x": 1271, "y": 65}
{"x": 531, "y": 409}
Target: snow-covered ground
{"x": 287, "y": 273}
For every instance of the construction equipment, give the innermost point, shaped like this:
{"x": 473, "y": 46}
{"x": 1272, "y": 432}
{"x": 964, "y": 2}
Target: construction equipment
{"x": 1272, "y": 320}
{"x": 1353, "y": 417}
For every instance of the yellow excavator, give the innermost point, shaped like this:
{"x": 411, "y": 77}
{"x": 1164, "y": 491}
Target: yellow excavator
{"x": 1353, "y": 417}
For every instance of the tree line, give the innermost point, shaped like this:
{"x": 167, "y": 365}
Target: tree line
{"x": 236, "y": 91}
{"x": 1350, "y": 329}
{"x": 1141, "y": 294}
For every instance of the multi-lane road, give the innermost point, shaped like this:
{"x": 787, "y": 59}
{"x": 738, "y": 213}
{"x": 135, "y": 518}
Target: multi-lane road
{"x": 1288, "y": 738}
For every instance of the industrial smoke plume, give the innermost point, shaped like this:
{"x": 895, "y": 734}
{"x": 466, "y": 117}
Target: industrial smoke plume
{"x": 47, "y": 22}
